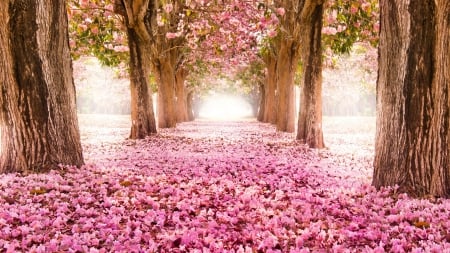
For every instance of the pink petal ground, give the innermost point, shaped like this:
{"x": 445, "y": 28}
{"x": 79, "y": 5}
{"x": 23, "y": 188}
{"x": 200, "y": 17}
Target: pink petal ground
{"x": 217, "y": 187}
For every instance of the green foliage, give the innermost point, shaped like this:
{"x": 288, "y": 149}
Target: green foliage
{"x": 96, "y": 31}
{"x": 251, "y": 77}
{"x": 298, "y": 74}
{"x": 347, "y": 22}
{"x": 152, "y": 83}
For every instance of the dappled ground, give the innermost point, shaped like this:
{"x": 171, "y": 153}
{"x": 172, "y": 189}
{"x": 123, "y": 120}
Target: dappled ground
{"x": 218, "y": 187}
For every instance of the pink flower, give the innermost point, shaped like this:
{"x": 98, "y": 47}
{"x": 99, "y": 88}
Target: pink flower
{"x": 281, "y": 11}
{"x": 365, "y": 6}
{"x": 376, "y": 27}
{"x": 72, "y": 43}
{"x": 109, "y": 7}
{"x": 332, "y": 17}
{"x": 168, "y": 8}
{"x": 171, "y": 35}
{"x": 341, "y": 28}
{"x": 94, "y": 30}
{"x": 272, "y": 33}
{"x": 121, "y": 48}
{"x": 329, "y": 30}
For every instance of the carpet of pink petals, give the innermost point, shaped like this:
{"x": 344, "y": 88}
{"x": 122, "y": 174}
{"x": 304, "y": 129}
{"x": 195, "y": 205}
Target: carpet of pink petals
{"x": 217, "y": 187}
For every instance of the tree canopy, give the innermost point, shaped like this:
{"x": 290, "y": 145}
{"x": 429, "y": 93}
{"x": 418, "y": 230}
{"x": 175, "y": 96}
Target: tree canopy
{"x": 225, "y": 34}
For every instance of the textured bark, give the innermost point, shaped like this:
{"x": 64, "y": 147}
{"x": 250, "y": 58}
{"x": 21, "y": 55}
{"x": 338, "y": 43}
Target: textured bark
{"x": 141, "y": 17}
{"x": 295, "y": 31}
{"x": 142, "y": 115}
{"x": 309, "y": 128}
{"x": 412, "y": 137}
{"x": 38, "y": 120}
{"x": 166, "y": 93}
{"x": 286, "y": 66}
{"x": 190, "y": 106}
{"x": 136, "y": 14}
{"x": 270, "y": 112}
{"x": 181, "y": 96}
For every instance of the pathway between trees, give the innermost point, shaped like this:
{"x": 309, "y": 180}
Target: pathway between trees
{"x": 216, "y": 187}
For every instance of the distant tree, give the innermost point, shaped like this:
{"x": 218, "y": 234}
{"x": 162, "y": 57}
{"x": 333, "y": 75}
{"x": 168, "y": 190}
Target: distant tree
{"x": 38, "y": 120}
{"x": 134, "y": 15}
{"x": 412, "y": 148}
{"x": 309, "y": 126}
{"x": 297, "y": 31}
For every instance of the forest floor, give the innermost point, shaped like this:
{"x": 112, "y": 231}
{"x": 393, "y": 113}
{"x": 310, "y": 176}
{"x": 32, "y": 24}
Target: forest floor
{"x": 236, "y": 186}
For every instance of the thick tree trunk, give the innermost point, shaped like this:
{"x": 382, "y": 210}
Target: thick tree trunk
{"x": 270, "y": 112}
{"x": 166, "y": 93}
{"x": 286, "y": 66}
{"x": 181, "y": 97}
{"x": 142, "y": 114}
{"x": 190, "y": 106}
{"x": 413, "y": 106}
{"x": 262, "y": 102}
{"x": 310, "y": 116}
{"x": 38, "y": 120}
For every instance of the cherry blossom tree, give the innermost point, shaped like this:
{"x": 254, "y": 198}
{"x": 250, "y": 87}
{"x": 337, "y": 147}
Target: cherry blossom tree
{"x": 412, "y": 147}
{"x": 97, "y": 30}
{"x": 38, "y": 120}
{"x": 228, "y": 34}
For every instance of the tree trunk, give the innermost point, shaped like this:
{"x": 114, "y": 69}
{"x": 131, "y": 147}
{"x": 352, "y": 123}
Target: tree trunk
{"x": 190, "y": 106}
{"x": 38, "y": 119}
{"x": 413, "y": 106}
{"x": 181, "y": 97}
{"x": 310, "y": 116}
{"x": 166, "y": 93}
{"x": 286, "y": 66}
{"x": 270, "y": 112}
{"x": 262, "y": 102}
{"x": 142, "y": 114}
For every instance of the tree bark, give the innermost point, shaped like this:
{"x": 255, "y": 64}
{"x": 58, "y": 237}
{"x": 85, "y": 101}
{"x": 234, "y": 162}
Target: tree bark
{"x": 309, "y": 128}
{"x": 413, "y": 106}
{"x": 141, "y": 16}
{"x": 190, "y": 106}
{"x": 166, "y": 93}
{"x": 38, "y": 120}
{"x": 142, "y": 115}
{"x": 135, "y": 14}
{"x": 286, "y": 66}
{"x": 181, "y": 97}
{"x": 270, "y": 112}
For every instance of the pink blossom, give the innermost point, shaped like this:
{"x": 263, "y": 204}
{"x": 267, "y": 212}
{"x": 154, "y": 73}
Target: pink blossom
{"x": 168, "y": 8}
{"x": 329, "y": 30}
{"x": 121, "y": 48}
{"x": 94, "y": 30}
{"x": 281, "y": 11}
{"x": 376, "y": 27}
{"x": 332, "y": 17}
{"x": 272, "y": 33}
{"x": 170, "y": 35}
{"x": 216, "y": 187}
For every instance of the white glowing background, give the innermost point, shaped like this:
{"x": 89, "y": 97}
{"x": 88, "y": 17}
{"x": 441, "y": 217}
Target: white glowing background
{"x": 225, "y": 107}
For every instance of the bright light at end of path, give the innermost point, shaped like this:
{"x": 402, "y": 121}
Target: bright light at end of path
{"x": 223, "y": 107}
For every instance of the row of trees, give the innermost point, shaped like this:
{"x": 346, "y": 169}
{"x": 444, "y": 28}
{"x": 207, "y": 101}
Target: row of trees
{"x": 39, "y": 127}
{"x": 226, "y": 35}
